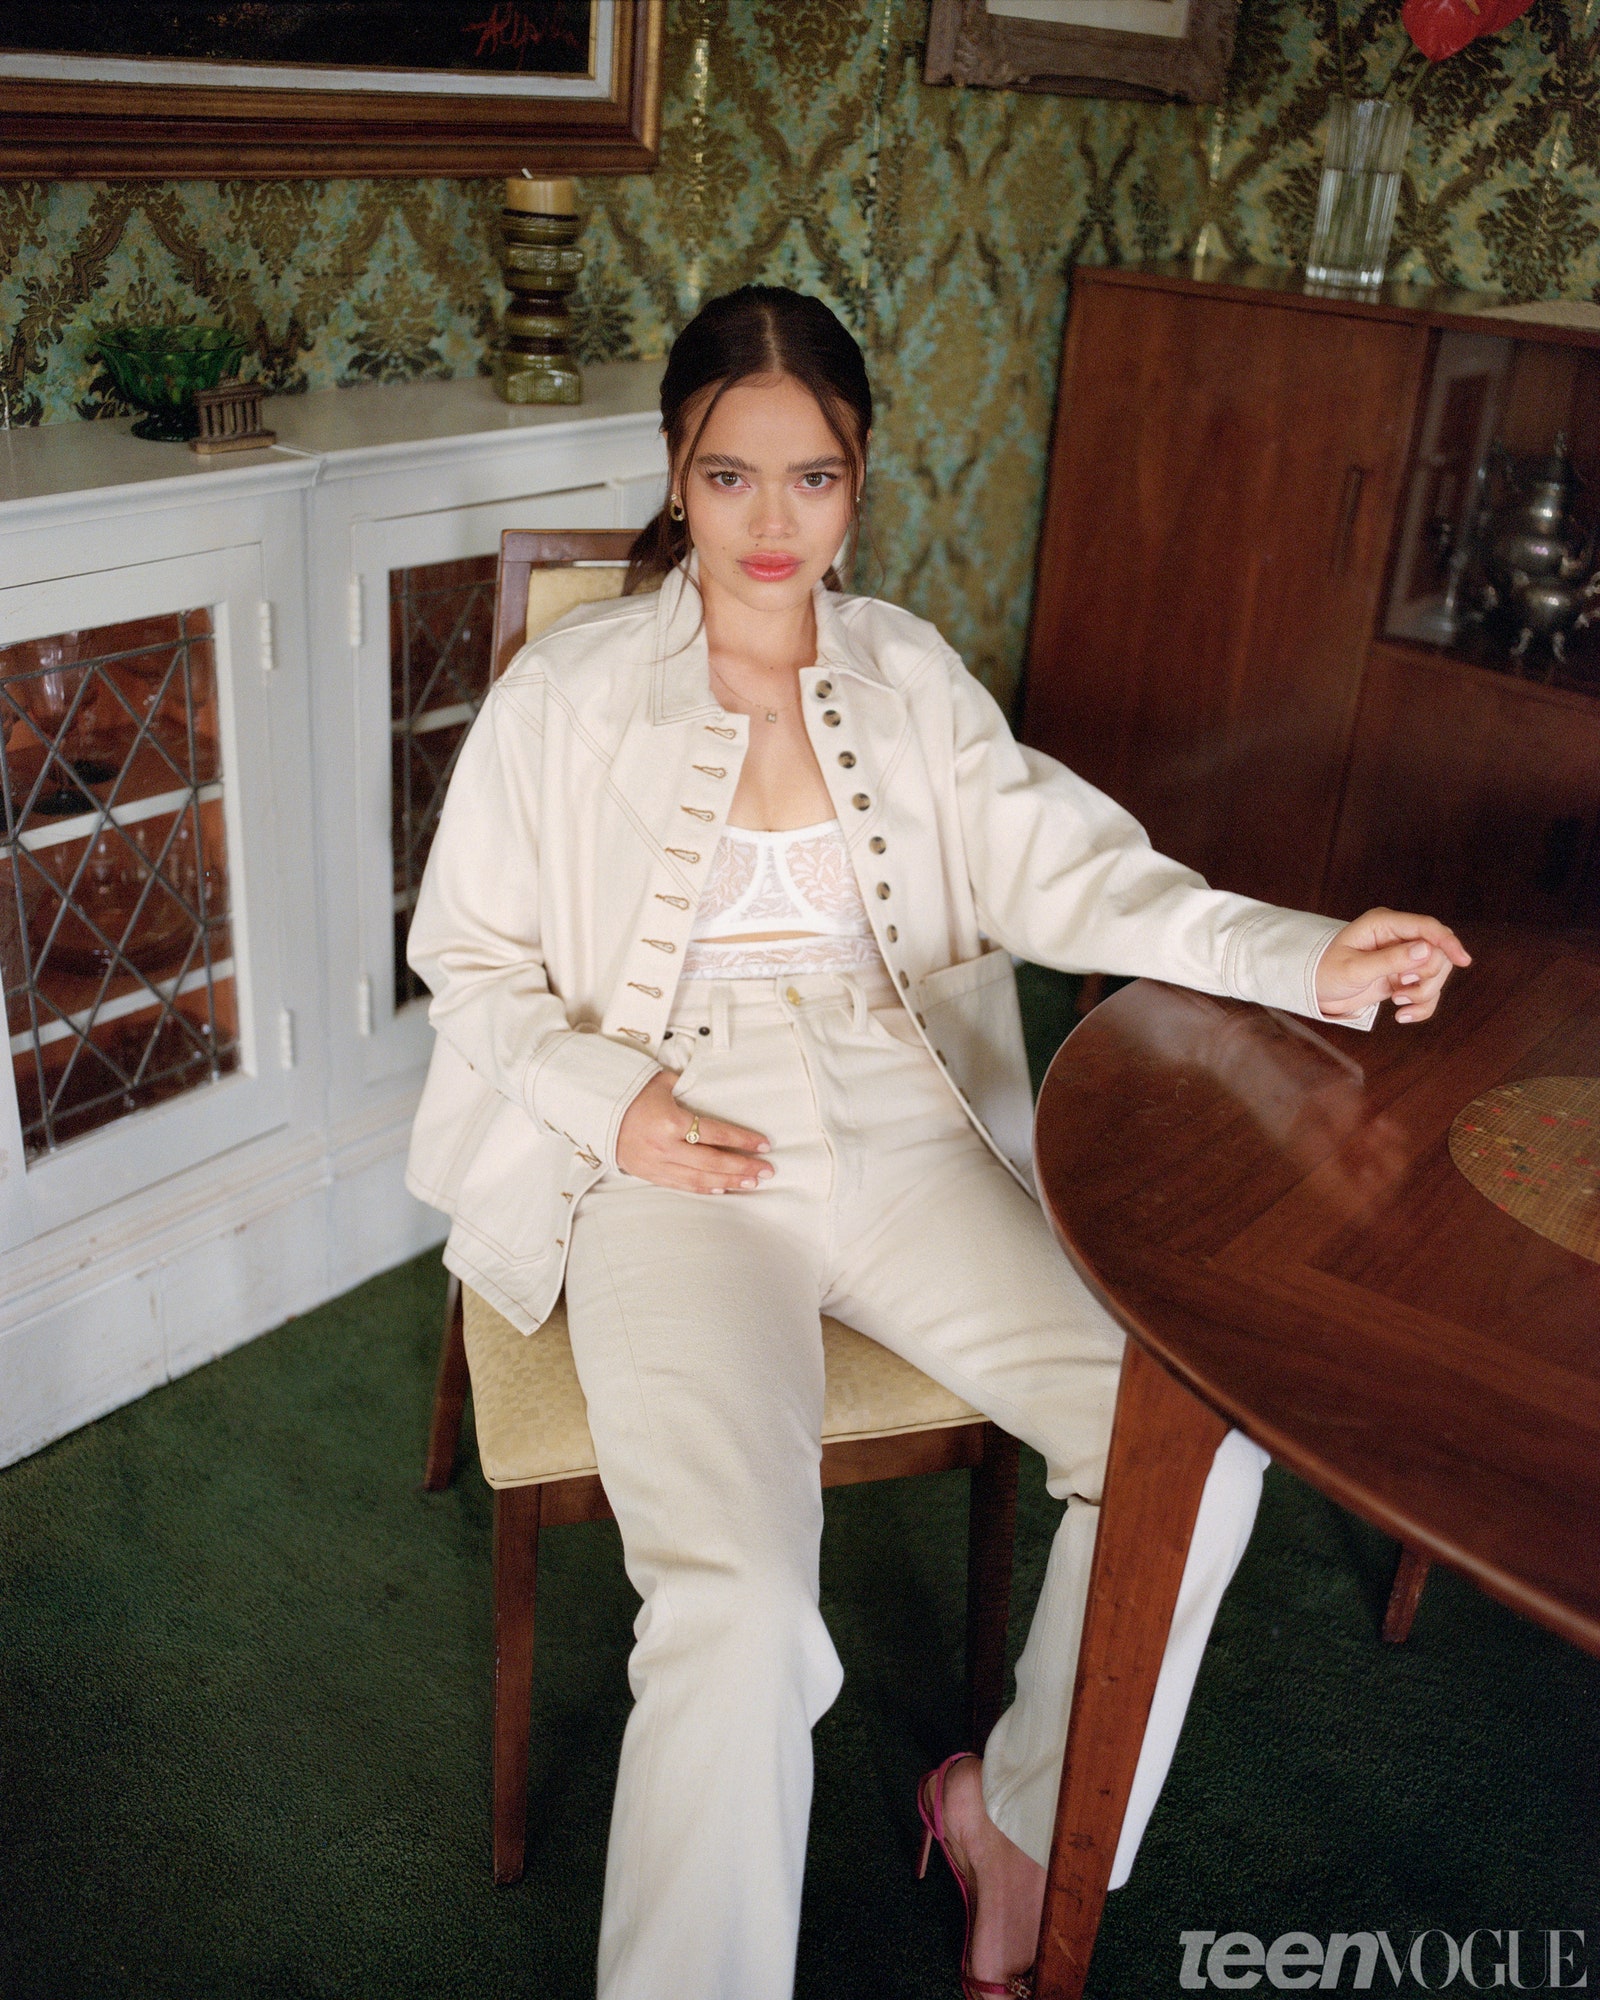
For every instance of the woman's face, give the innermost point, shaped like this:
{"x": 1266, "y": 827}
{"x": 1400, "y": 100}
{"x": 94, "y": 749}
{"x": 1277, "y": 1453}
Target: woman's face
{"x": 769, "y": 493}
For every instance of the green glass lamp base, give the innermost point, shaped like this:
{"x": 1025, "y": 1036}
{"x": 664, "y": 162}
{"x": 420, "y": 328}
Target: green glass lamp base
{"x": 541, "y": 378}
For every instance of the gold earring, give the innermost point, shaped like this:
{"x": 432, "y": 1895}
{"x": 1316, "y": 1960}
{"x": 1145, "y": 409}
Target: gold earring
{"x": 675, "y": 509}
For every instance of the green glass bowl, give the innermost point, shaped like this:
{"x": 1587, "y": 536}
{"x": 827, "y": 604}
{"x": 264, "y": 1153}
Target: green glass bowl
{"x": 159, "y": 368}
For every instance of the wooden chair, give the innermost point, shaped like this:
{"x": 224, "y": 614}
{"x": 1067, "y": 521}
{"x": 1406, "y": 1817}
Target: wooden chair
{"x": 882, "y": 1418}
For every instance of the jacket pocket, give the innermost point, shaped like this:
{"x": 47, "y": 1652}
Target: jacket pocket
{"x": 974, "y": 1020}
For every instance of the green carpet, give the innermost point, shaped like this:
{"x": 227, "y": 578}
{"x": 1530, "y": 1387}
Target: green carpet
{"x": 244, "y": 1716}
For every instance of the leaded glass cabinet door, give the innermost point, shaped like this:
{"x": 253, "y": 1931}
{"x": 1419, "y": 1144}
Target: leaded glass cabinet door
{"x": 138, "y": 930}
{"x": 422, "y": 605}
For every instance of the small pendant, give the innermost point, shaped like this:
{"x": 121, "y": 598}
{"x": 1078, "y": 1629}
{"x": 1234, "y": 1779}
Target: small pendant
{"x": 772, "y": 715}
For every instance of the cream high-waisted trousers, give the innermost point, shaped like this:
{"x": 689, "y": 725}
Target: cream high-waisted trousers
{"x": 695, "y": 1329}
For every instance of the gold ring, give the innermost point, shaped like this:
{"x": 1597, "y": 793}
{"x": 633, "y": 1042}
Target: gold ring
{"x": 692, "y": 1136}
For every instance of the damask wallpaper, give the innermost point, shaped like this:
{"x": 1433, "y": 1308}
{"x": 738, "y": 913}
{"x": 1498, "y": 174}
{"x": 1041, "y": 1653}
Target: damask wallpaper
{"x": 801, "y": 147}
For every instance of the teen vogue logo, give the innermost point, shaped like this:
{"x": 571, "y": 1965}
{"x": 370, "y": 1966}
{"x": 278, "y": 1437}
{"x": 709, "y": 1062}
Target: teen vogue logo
{"x": 1349, "y": 1961}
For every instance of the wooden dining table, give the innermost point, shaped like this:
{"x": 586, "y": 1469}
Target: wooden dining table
{"x": 1375, "y": 1254}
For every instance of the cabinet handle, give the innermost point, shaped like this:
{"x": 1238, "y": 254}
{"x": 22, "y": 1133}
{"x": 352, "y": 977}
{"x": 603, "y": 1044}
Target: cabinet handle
{"x": 1349, "y": 506}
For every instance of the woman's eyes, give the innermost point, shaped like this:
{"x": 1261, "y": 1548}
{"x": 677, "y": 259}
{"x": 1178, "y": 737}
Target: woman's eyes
{"x": 809, "y": 482}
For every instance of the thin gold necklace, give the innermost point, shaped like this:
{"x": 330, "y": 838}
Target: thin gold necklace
{"x": 771, "y": 714}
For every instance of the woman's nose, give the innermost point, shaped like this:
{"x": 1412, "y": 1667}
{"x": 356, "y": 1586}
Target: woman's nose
{"x": 772, "y": 512}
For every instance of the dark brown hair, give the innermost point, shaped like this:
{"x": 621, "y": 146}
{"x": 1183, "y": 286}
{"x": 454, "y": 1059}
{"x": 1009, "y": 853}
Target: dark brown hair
{"x": 757, "y": 330}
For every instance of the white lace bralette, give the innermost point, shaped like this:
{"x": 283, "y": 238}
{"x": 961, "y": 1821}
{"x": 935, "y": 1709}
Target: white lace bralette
{"x": 797, "y": 880}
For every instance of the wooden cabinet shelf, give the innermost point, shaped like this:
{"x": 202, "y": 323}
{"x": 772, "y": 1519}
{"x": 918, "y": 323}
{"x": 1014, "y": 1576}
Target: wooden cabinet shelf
{"x": 1252, "y": 497}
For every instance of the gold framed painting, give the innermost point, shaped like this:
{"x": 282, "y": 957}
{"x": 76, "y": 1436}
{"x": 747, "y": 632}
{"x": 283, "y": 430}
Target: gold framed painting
{"x": 93, "y": 89}
{"x": 1159, "y": 49}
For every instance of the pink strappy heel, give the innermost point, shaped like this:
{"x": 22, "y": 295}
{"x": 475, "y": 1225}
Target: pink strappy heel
{"x": 930, "y": 1808}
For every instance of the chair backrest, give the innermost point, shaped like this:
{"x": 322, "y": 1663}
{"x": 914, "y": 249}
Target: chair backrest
{"x": 545, "y": 573}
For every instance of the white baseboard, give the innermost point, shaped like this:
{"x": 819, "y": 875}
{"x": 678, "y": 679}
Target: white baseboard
{"x": 97, "y": 1314}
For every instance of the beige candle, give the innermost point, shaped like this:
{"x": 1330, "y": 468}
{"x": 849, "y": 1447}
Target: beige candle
{"x": 541, "y": 197}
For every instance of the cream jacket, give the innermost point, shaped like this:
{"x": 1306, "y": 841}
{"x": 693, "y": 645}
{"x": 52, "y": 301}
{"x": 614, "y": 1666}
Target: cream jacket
{"x": 579, "y": 829}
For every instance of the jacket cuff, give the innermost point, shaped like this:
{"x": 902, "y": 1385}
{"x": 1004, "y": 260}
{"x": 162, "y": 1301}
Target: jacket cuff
{"x": 1272, "y": 959}
{"x": 582, "y": 1089}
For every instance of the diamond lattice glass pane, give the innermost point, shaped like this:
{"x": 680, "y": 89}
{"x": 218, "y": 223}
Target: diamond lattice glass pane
{"x": 115, "y": 943}
{"x": 440, "y": 649}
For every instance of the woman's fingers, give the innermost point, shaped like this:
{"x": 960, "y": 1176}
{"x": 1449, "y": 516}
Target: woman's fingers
{"x": 1406, "y": 960}
{"x": 720, "y": 1161}
{"x": 1382, "y": 927}
{"x": 718, "y": 1132}
{"x": 709, "y": 1179}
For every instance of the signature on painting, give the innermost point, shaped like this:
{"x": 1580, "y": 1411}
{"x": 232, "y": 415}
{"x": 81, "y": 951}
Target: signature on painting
{"x": 510, "y": 29}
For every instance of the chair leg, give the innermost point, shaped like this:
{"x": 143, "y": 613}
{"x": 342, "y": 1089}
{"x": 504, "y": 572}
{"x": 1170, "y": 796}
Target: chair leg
{"x": 1405, "y": 1596}
{"x": 991, "y": 1536}
{"x": 516, "y": 1568}
{"x": 1091, "y": 991}
{"x": 449, "y": 1395}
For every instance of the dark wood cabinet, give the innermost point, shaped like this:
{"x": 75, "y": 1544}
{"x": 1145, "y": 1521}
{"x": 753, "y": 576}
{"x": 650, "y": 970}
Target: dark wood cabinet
{"x": 1235, "y": 468}
{"x": 1470, "y": 793}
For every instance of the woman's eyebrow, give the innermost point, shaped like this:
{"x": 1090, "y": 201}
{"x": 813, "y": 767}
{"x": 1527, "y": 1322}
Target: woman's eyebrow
{"x": 724, "y": 461}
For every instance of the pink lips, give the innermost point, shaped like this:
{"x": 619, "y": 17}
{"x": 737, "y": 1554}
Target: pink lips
{"x": 769, "y": 569}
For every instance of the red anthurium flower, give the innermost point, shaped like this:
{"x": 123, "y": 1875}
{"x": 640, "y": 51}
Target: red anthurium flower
{"x": 1440, "y": 27}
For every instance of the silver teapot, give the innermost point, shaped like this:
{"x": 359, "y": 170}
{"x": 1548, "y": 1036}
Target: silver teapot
{"x": 1539, "y": 556}
{"x": 1537, "y": 535}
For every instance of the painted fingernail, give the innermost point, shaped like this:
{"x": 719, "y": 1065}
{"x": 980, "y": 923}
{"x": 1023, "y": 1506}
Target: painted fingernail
{"x": 1419, "y": 950}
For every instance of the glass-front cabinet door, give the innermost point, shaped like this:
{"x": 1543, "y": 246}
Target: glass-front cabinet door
{"x": 138, "y": 927}
{"x": 423, "y": 605}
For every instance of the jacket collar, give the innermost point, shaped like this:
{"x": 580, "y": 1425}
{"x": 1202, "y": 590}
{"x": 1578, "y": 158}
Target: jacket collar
{"x": 681, "y": 678}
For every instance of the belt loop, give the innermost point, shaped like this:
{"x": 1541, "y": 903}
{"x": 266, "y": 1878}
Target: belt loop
{"x": 858, "y": 1005}
{"x": 720, "y": 996}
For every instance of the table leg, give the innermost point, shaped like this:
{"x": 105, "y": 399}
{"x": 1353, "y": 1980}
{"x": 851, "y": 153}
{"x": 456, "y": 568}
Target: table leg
{"x": 1162, "y": 1443}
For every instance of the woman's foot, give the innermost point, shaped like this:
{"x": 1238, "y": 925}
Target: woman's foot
{"x": 1007, "y": 1885}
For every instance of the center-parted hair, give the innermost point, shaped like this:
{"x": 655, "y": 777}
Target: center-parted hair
{"x": 757, "y": 330}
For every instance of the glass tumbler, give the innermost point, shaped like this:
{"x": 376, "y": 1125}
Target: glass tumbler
{"x": 1361, "y": 169}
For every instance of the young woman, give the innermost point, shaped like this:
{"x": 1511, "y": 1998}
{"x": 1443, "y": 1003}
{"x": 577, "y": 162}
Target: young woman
{"x": 717, "y": 925}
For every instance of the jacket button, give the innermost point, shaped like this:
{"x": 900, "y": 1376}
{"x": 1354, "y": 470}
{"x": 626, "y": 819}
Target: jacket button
{"x": 922, "y": 1020}
{"x": 848, "y": 759}
{"x": 792, "y": 995}
{"x": 883, "y": 892}
{"x": 822, "y": 690}
{"x": 877, "y": 843}
{"x": 861, "y": 802}
{"x": 892, "y": 935}
{"x": 905, "y": 979}
{"x": 831, "y": 717}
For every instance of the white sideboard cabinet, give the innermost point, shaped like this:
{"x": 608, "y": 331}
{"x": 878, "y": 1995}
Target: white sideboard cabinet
{"x": 231, "y": 691}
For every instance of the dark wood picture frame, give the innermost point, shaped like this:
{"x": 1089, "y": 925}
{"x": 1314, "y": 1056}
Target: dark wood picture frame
{"x": 968, "y": 45}
{"x": 70, "y": 130}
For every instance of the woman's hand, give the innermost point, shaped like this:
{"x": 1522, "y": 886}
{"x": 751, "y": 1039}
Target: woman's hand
{"x": 653, "y": 1145}
{"x": 1388, "y": 955}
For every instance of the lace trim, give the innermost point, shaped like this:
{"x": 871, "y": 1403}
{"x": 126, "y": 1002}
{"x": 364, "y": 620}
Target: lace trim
{"x": 775, "y": 958}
